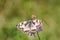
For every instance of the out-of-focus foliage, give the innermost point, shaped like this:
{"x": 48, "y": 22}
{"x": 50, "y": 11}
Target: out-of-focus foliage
{"x": 14, "y": 11}
{"x": 2, "y": 4}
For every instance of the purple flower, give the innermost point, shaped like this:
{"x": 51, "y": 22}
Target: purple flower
{"x": 32, "y": 33}
{"x": 39, "y": 29}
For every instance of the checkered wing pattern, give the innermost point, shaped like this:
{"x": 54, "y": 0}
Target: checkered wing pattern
{"x": 35, "y": 25}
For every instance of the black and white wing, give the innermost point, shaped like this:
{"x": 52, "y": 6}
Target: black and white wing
{"x": 30, "y": 26}
{"x": 21, "y": 25}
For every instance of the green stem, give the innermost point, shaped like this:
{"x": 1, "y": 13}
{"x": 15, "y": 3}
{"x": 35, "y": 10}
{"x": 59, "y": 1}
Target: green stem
{"x": 38, "y": 36}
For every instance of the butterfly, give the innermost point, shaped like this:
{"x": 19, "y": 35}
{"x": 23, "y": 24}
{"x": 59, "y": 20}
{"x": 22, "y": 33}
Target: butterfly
{"x": 30, "y": 27}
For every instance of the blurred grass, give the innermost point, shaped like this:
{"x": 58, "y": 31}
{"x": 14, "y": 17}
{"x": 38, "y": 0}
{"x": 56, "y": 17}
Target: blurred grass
{"x": 14, "y": 11}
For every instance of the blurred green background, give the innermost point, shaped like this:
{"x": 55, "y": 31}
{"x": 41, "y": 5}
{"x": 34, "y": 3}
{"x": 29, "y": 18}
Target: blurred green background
{"x": 14, "y": 11}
